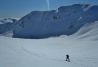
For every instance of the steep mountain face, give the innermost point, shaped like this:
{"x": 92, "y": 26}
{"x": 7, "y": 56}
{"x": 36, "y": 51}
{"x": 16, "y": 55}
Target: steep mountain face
{"x": 65, "y": 21}
{"x": 6, "y": 25}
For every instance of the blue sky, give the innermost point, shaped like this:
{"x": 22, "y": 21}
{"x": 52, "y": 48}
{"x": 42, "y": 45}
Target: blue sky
{"x": 19, "y": 8}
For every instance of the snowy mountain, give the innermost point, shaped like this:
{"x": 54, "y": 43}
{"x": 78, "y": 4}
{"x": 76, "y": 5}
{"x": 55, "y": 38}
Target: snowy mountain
{"x": 67, "y": 20}
{"x": 78, "y": 21}
{"x": 88, "y": 31}
{"x": 82, "y": 48}
{"x": 6, "y": 25}
{"x": 7, "y": 20}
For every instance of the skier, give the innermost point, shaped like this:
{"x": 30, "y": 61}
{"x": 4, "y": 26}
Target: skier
{"x": 67, "y": 58}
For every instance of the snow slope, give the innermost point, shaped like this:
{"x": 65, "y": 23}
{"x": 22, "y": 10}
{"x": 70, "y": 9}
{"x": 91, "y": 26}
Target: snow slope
{"x": 48, "y": 52}
{"x": 88, "y": 31}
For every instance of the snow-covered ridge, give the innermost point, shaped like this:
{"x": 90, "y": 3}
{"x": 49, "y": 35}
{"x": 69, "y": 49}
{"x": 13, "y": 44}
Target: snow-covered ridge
{"x": 87, "y": 7}
{"x": 66, "y": 21}
{"x": 7, "y": 20}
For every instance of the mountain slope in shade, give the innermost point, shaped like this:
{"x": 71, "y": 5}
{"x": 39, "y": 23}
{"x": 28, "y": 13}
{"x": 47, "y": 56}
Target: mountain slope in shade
{"x": 66, "y": 21}
{"x": 6, "y": 25}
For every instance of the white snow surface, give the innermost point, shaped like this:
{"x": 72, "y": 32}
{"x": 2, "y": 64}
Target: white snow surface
{"x": 50, "y": 52}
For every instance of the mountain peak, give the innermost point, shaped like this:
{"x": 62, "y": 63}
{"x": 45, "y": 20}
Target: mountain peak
{"x": 66, "y": 21}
